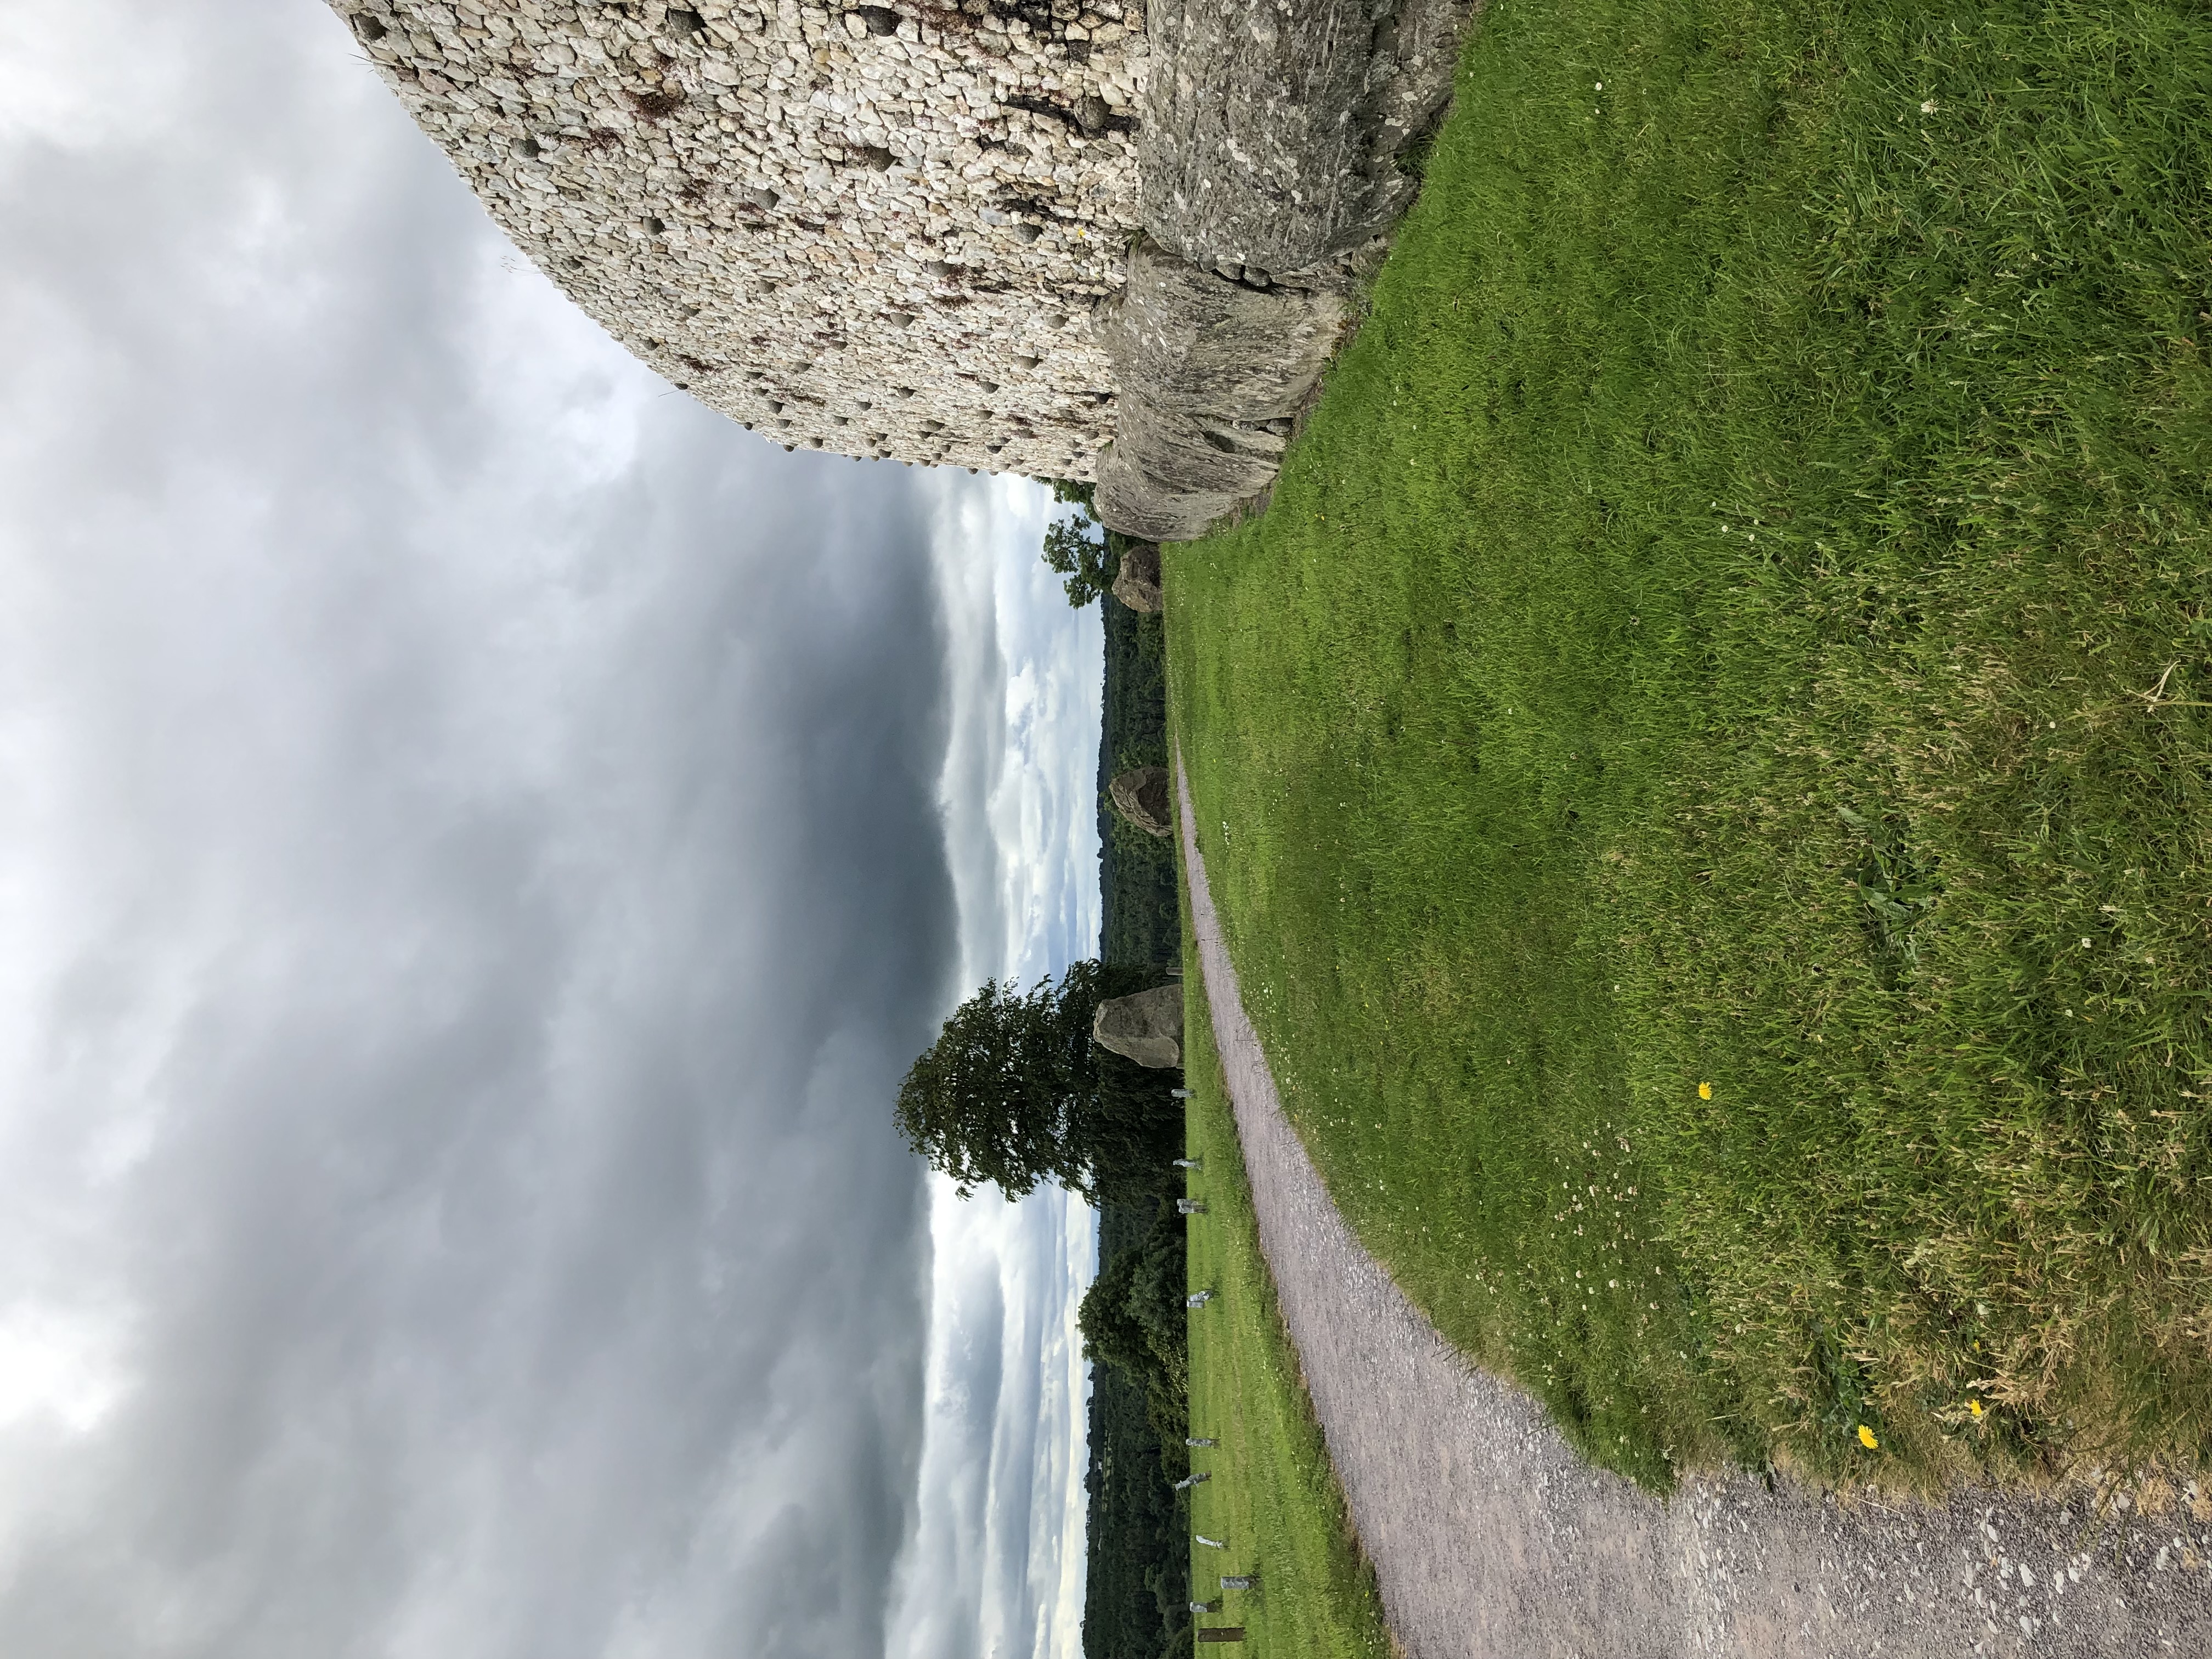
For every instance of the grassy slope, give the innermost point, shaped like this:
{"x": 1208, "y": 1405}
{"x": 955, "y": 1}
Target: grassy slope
{"x": 1738, "y": 617}
{"x": 1273, "y": 1498}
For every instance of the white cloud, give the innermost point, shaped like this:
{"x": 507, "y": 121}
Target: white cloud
{"x": 1019, "y": 776}
{"x": 62, "y": 82}
{"x": 470, "y": 868}
{"x": 59, "y": 1361}
{"x": 994, "y": 1568}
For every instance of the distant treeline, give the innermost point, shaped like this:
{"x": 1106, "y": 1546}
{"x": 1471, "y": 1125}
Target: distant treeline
{"x": 1137, "y": 1603}
{"x": 1136, "y": 872}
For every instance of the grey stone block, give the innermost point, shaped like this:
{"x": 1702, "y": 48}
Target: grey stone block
{"x": 1137, "y": 582}
{"x": 1272, "y": 128}
{"x": 1130, "y": 501}
{"x": 1140, "y": 795}
{"x": 1210, "y": 373}
{"x": 1190, "y": 340}
{"x": 1146, "y": 1027}
{"x": 1195, "y": 454}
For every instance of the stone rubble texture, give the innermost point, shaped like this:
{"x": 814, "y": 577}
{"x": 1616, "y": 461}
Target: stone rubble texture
{"x": 917, "y": 231}
{"x": 876, "y": 230}
{"x": 1274, "y": 129}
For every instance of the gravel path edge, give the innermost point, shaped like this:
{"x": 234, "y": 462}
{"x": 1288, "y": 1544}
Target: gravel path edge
{"x": 1491, "y": 1538}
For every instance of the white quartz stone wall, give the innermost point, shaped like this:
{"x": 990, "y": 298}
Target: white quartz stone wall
{"x": 877, "y": 229}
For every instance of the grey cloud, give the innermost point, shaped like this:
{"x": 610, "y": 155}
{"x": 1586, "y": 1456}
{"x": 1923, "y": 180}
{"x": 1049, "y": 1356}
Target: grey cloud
{"x": 488, "y": 905}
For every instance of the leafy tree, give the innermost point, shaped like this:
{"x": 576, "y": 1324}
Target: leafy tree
{"x": 1001, "y": 1094}
{"x": 1133, "y": 1317}
{"x": 1087, "y": 564}
{"x": 1137, "y": 1591}
{"x": 1088, "y": 561}
{"x": 1131, "y": 1127}
{"x": 1014, "y": 1093}
{"x": 1113, "y": 1334}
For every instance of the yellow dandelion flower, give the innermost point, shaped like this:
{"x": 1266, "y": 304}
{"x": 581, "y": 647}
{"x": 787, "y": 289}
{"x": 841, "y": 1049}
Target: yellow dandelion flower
{"x": 1867, "y": 1439}
{"x": 1975, "y": 1406}
{"x": 1704, "y": 1091}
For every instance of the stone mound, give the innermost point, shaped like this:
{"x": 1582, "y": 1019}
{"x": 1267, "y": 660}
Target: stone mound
{"x": 1073, "y": 239}
{"x": 878, "y": 229}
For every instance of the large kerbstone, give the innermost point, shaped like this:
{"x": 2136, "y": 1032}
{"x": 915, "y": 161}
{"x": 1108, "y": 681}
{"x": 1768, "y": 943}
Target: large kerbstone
{"x": 1273, "y": 128}
{"x": 1129, "y": 500}
{"x": 1193, "y": 454}
{"x": 1140, "y": 795}
{"x": 1146, "y": 1027}
{"x": 1211, "y": 373}
{"x": 1191, "y": 341}
{"x": 1137, "y": 582}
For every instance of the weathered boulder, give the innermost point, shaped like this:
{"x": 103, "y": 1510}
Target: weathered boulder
{"x": 1190, "y": 339}
{"x": 1211, "y": 372}
{"x": 1140, "y": 795}
{"x": 1273, "y": 128}
{"x": 1130, "y": 501}
{"x": 1146, "y": 1027}
{"x": 1137, "y": 583}
{"x": 1192, "y": 453}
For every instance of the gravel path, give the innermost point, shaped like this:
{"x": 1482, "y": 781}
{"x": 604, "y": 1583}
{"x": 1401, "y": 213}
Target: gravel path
{"x": 1490, "y": 1537}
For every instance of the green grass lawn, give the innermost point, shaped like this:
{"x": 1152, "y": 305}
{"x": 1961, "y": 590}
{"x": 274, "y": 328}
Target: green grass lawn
{"x": 1704, "y": 760}
{"x": 1273, "y": 1498}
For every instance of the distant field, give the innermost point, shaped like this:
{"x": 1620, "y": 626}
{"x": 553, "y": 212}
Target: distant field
{"x": 1273, "y": 1498}
{"x": 1704, "y": 761}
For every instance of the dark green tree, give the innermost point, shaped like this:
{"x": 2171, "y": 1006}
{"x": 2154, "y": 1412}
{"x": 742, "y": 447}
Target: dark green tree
{"x": 1132, "y": 1124}
{"x": 1132, "y": 1318}
{"x": 1113, "y": 1334}
{"x": 1076, "y": 550}
{"x": 1001, "y": 1095}
{"x": 1014, "y": 1092}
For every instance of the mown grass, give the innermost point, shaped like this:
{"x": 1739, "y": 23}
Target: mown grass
{"x": 1273, "y": 1498}
{"x": 1738, "y": 617}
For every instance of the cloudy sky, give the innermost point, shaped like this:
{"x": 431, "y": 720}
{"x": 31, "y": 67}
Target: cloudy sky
{"x": 480, "y": 838}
